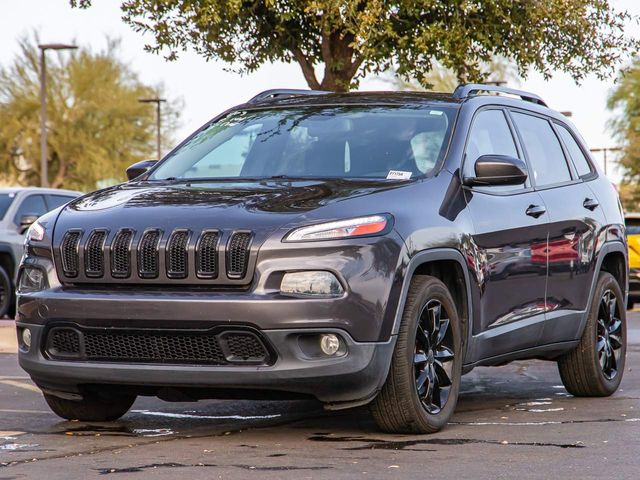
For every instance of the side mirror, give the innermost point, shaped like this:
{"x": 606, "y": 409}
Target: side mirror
{"x": 137, "y": 169}
{"x": 498, "y": 170}
{"x": 26, "y": 221}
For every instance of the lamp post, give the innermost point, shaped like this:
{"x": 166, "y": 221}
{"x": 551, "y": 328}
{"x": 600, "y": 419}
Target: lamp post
{"x": 157, "y": 101}
{"x": 44, "y": 170}
{"x": 604, "y": 153}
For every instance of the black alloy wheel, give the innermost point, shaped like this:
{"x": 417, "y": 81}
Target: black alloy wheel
{"x": 609, "y": 331}
{"x": 433, "y": 359}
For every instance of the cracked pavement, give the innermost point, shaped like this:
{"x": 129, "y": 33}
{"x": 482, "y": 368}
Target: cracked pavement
{"x": 511, "y": 421}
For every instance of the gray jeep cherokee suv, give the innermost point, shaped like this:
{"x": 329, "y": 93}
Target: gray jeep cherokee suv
{"x": 362, "y": 248}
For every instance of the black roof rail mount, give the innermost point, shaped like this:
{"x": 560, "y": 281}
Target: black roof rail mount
{"x": 470, "y": 89}
{"x": 284, "y": 92}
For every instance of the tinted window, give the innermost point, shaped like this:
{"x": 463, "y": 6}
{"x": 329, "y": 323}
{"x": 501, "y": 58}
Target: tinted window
{"x": 32, "y": 205}
{"x": 490, "y": 134}
{"x": 575, "y": 152}
{"x": 543, "y": 148}
{"x": 363, "y": 141}
{"x": 6, "y": 199}
{"x": 54, "y": 201}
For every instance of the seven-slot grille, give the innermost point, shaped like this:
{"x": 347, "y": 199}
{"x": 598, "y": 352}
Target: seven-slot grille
{"x": 157, "y": 346}
{"x": 153, "y": 255}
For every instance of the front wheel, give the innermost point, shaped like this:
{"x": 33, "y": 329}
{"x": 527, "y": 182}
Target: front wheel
{"x": 421, "y": 390}
{"x": 594, "y": 368}
{"x": 90, "y": 408}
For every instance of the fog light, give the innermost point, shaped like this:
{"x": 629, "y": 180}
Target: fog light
{"x": 32, "y": 280}
{"x": 329, "y": 343}
{"x": 319, "y": 283}
{"x": 26, "y": 338}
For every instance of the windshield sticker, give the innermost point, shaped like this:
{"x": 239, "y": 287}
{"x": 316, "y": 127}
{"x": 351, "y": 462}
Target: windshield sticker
{"x": 398, "y": 175}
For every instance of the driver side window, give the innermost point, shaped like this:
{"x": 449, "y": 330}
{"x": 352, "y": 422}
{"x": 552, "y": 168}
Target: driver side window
{"x": 490, "y": 134}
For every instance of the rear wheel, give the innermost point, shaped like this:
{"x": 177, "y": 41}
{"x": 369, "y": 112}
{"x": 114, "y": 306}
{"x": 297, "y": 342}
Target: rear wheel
{"x": 90, "y": 408}
{"x": 421, "y": 390}
{"x": 6, "y": 293}
{"x": 594, "y": 368}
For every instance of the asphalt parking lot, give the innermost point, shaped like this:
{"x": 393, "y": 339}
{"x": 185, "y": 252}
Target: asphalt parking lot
{"x": 512, "y": 421}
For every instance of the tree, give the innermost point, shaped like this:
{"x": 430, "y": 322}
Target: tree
{"x": 624, "y": 102}
{"x": 441, "y": 79}
{"x": 96, "y": 125}
{"x": 355, "y": 37}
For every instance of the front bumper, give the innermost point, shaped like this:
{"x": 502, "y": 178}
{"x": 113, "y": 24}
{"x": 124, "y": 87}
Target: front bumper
{"x": 352, "y": 378}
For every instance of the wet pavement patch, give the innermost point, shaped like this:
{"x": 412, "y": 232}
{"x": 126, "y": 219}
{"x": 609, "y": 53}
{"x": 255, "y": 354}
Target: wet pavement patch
{"x": 142, "y": 468}
{"x": 379, "y": 444}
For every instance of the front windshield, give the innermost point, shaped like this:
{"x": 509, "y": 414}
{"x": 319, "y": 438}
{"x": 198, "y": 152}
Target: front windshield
{"x": 315, "y": 142}
{"x": 5, "y": 202}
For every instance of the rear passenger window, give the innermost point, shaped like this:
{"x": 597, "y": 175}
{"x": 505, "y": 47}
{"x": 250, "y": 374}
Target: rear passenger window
{"x": 543, "y": 148}
{"x": 575, "y": 152}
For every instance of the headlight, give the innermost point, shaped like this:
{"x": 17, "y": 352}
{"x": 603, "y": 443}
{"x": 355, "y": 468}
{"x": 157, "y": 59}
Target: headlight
{"x": 35, "y": 232}
{"x": 318, "y": 283}
{"x": 32, "y": 279}
{"x": 353, "y": 227}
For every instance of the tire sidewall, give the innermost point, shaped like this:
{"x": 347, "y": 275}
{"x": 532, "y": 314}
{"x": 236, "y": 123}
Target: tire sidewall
{"x": 434, "y": 290}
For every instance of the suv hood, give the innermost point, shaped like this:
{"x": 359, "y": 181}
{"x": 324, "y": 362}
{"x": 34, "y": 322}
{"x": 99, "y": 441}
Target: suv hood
{"x": 259, "y": 206}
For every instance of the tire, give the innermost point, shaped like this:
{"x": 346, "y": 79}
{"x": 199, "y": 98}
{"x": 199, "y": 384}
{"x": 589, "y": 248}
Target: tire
{"x": 399, "y": 407}
{"x": 595, "y": 367}
{"x": 90, "y": 409}
{"x": 6, "y": 293}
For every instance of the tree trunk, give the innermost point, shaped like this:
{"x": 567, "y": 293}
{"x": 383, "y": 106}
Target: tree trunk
{"x": 341, "y": 63}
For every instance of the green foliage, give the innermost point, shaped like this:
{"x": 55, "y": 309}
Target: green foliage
{"x": 441, "y": 79}
{"x": 624, "y": 101}
{"x": 355, "y": 37}
{"x": 96, "y": 125}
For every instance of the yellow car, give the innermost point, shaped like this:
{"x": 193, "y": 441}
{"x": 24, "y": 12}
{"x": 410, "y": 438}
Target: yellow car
{"x": 632, "y": 221}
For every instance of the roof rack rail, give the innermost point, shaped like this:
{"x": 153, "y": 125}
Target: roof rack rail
{"x": 284, "y": 92}
{"x": 467, "y": 90}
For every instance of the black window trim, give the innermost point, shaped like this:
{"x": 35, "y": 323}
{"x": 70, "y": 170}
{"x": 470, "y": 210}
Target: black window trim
{"x": 574, "y": 178}
{"x": 593, "y": 174}
{"x": 516, "y": 142}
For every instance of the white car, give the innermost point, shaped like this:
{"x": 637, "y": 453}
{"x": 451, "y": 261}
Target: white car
{"x": 19, "y": 208}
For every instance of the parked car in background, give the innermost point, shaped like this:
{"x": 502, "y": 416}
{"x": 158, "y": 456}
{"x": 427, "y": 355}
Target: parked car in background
{"x": 632, "y": 221}
{"x": 361, "y": 248}
{"x": 19, "y": 208}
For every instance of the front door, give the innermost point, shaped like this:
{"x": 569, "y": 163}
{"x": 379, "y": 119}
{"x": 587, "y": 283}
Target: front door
{"x": 510, "y": 235}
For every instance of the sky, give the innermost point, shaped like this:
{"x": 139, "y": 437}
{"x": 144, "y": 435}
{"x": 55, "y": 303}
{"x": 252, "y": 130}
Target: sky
{"x": 207, "y": 88}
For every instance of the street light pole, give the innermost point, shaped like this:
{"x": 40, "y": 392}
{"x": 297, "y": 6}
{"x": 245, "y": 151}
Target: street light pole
{"x": 157, "y": 101}
{"x": 44, "y": 166}
{"x": 604, "y": 154}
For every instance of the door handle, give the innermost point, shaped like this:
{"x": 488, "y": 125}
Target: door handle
{"x": 535, "y": 211}
{"x": 590, "y": 204}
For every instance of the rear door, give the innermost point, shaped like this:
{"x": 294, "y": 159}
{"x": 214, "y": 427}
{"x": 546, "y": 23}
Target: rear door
{"x": 510, "y": 234}
{"x": 558, "y": 167}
